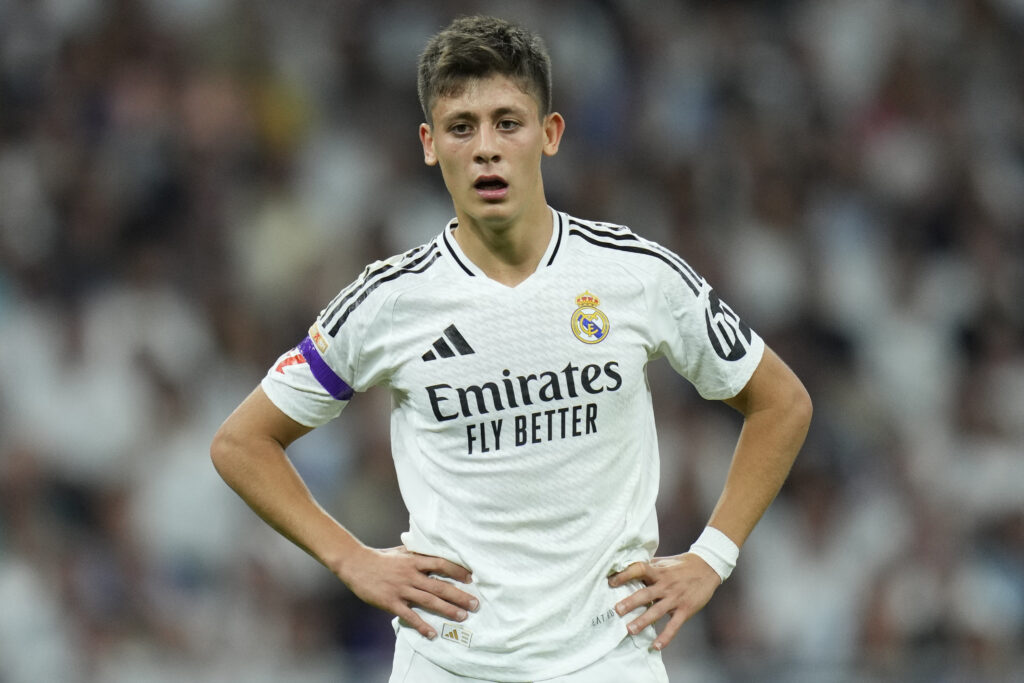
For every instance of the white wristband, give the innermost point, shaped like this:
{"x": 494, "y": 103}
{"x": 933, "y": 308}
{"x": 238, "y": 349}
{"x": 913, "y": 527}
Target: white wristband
{"x": 717, "y": 550}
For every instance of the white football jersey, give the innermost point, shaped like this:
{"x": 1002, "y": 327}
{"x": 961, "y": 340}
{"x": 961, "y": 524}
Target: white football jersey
{"x": 521, "y": 427}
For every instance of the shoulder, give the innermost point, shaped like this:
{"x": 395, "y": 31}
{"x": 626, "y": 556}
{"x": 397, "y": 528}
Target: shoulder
{"x": 394, "y": 268}
{"x": 380, "y": 282}
{"x": 642, "y": 257}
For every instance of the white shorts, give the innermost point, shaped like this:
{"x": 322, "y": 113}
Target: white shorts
{"x": 632, "y": 660}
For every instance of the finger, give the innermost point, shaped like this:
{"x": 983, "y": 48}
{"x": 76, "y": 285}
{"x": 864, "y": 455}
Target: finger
{"x": 642, "y": 597}
{"x": 431, "y": 602}
{"x": 443, "y": 567}
{"x": 655, "y": 611}
{"x": 450, "y": 593}
{"x": 670, "y": 631}
{"x": 635, "y": 571}
{"x": 649, "y": 616}
{"x": 410, "y": 617}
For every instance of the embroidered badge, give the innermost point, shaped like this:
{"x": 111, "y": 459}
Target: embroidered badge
{"x": 589, "y": 323}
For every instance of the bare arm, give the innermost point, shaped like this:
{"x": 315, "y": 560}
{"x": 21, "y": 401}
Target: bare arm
{"x": 777, "y": 414}
{"x": 249, "y": 453}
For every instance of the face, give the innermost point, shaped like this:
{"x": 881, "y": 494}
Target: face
{"x": 488, "y": 141}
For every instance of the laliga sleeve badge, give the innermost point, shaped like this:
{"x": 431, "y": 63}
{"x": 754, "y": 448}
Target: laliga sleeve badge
{"x": 589, "y": 323}
{"x": 318, "y": 338}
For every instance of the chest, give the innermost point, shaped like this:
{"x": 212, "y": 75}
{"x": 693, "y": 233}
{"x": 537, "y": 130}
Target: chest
{"x": 550, "y": 354}
{"x": 493, "y": 334}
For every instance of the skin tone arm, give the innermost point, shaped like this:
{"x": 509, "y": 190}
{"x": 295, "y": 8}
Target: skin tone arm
{"x": 777, "y": 414}
{"x": 249, "y": 453}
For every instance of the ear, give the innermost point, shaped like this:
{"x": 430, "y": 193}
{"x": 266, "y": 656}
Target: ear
{"x": 554, "y": 126}
{"x": 427, "y": 140}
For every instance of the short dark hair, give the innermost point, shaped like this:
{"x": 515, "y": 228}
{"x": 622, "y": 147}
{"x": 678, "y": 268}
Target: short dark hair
{"x": 476, "y": 47}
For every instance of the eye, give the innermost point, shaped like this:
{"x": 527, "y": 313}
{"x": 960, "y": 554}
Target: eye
{"x": 460, "y": 129}
{"x": 508, "y": 124}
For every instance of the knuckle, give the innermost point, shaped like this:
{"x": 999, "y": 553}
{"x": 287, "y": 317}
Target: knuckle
{"x": 443, "y": 589}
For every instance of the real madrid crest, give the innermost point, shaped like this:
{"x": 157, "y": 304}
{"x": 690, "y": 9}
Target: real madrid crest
{"x": 589, "y": 323}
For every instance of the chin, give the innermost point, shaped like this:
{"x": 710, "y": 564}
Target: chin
{"x": 498, "y": 212}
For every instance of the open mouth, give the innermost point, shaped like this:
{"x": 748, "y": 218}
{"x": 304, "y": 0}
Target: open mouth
{"x": 490, "y": 185}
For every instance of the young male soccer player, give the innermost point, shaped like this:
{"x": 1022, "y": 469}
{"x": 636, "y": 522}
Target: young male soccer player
{"x": 514, "y": 345}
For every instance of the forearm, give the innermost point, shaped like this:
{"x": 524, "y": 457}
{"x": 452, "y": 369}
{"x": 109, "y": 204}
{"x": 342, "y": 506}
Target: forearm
{"x": 763, "y": 457}
{"x": 777, "y": 415}
{"x": 249, "y": 453}
{"x": 260, "y": 472}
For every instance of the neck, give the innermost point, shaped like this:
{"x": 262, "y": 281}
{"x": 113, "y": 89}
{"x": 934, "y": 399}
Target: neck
{"x": 507, "y": 252}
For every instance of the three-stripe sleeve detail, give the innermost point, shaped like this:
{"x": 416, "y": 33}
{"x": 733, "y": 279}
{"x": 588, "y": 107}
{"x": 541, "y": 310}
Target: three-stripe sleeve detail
{"x": 627, "y": 241}
{"x": 344, "y": 295}
{"x": 374, "y": 279}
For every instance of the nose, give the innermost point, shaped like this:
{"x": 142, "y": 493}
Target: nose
{"x": 487, "y": 146}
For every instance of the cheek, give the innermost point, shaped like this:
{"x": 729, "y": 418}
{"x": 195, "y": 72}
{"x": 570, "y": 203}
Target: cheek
{"x": 448, "y": 160}
{"x": 450, "y": 173}
{"x": 529, "y": 150}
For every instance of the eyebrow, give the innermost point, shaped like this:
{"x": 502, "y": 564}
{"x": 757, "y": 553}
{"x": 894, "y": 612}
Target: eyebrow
{"x": 472, "y": 116}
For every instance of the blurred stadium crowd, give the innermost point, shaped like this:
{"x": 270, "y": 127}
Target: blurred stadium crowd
{"x": 184, "y": 184}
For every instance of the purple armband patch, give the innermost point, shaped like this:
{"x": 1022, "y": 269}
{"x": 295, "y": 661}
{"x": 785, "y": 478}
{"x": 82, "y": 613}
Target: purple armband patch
{"x": 335, "y": 386}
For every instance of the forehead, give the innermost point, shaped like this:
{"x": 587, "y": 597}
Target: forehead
{"x": 482, "y": 95}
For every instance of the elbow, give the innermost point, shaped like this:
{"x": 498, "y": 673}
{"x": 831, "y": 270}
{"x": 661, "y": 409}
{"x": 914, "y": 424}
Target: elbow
{"x": 802, "y": 403}
{"x": 224, "y": 450}
{"x": 801, "y": 408}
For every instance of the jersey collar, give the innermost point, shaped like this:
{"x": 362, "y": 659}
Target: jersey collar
{"x": 453, "y": 252}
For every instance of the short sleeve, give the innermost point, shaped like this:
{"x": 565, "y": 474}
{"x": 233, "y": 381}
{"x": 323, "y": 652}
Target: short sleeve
{"x": 704, "y": 340}
{"x": 344, "y": 352}
{"x": 294, "y": 388}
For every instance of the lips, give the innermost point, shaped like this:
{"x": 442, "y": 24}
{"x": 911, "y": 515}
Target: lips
{"x": 491, "y": 187}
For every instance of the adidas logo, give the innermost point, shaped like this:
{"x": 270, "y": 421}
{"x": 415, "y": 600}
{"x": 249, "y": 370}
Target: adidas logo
{"x": 457, "y": 634}
{"x": 451, "y": 333}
